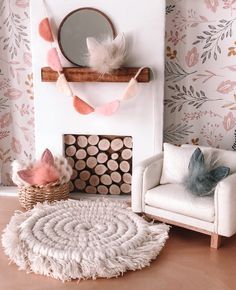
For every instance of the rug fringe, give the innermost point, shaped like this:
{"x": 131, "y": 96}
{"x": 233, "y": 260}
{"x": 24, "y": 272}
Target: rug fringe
{"x": 113, "y": 262}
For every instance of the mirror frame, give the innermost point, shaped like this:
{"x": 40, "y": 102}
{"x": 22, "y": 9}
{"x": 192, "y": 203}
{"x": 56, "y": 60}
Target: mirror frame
{"x": 72, "y": 12}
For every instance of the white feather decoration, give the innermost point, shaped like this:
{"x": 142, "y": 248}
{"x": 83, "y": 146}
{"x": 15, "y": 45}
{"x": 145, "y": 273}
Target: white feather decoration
{"x": 107, "y": 55}
{"x": 64, "y": 169}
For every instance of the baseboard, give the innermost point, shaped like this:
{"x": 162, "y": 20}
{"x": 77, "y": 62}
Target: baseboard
{"x": 8, "y": 190}
{"x": 12, "y": 191}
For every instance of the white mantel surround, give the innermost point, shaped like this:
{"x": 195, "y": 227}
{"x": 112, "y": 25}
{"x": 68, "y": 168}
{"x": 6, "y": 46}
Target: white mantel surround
{"x": 142, "y": 118}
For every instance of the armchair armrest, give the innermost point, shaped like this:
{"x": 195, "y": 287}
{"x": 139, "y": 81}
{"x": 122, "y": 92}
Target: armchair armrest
{"x": 225, "y": 206}
{"x": 146, "y": 175}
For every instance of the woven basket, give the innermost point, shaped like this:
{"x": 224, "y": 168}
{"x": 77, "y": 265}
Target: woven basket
{"x": 30, "y": 195}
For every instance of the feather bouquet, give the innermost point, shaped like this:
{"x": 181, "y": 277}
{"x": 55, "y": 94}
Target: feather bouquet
{"x": 107, "y": 55}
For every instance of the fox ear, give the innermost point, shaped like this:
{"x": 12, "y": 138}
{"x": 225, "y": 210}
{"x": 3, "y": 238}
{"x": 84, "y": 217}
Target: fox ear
{"x": 26, "y": 175}
{"x": 196, "y": 160}
{"x": 220, "y": 172}
{"x": 47, "y": 157}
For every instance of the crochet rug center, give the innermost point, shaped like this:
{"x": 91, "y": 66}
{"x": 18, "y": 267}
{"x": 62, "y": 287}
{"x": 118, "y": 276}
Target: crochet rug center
{"x": 82, "y": 239}
{"x": 101, "y": 164}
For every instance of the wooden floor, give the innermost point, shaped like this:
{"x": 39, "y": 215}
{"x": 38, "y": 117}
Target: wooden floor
{"x": 185, "y": 263}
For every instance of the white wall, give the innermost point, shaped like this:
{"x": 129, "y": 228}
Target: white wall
{"x": 143, "y": 23}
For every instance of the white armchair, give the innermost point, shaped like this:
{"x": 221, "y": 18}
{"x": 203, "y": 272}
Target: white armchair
{"x": 173, "y": 204}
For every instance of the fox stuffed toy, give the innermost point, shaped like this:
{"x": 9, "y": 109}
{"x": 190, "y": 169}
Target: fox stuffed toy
{"x": 42, "y": 172}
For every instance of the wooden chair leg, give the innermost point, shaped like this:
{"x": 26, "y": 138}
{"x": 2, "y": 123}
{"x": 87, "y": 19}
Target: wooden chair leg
{"x": 215, "y": 241}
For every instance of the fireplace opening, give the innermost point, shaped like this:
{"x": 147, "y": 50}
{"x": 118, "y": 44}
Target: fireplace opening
{"x": 102, "y": 164}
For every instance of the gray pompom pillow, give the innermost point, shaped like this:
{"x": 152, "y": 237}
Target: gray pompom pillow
{"x": 201, "y": 179}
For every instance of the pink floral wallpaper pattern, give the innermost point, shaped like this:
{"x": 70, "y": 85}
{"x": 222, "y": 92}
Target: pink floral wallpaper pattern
{"x": 200, "y": 102}
{"x": 16, "y": 85}
{"x": 200, "y": 92}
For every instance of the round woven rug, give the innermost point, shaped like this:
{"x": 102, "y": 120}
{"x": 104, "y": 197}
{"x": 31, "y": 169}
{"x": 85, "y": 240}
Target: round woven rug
{"x": 82, "y": 239}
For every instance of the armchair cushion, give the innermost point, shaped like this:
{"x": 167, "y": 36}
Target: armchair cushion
{"x": 176, "y": 160}
{"x": 175, "y": 163}
{"x": 175, "y": 198}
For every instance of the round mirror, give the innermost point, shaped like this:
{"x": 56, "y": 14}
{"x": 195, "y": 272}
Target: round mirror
{"x": 76, "y": 27}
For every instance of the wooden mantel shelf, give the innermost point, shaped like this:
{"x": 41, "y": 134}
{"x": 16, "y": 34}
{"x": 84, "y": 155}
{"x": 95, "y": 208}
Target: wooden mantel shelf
{"x": 84, "y": 74}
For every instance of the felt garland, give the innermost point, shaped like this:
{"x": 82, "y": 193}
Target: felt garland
{"x": 63, "y": 86}
{"x": 54, "y": 60}
{"x": 109, "y": 108}
{"x": 45, "y": 30}
{"x": 81, "y": 106}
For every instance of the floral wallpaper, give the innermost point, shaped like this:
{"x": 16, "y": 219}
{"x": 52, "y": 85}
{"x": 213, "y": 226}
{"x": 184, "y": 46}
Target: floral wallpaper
{"x": 16, "y": 88}
{"x": 200, "y": 97}
{"x": 200, "y": 92}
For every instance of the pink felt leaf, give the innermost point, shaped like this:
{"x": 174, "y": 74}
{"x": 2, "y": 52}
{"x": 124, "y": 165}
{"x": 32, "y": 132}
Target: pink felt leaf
{"x": 108, "y": 109}
{"x": 45, "y": 30}
{"x": 53, "y": 60}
